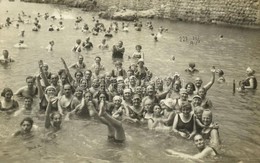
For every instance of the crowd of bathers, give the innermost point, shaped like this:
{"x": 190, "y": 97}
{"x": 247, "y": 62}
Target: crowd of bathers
{"x": 119, "y": 96}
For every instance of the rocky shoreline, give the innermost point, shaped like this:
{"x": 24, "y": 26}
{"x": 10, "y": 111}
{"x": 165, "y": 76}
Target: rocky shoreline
{"x": 182, "y": 12}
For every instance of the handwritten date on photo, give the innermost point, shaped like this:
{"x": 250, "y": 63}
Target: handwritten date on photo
{"x": 191, "y": 40}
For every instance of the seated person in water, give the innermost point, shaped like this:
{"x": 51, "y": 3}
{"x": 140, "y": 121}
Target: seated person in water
{"x": 192, "y": 68}
{"x": 6, "y": 58}
{"x": 26, "y": 128}
{"x": 21, "y": 45}
{"x": 116, "y": 131}
{"x": 7, "y": 104}
{"x": 184, "y": 123}
{"x": 118, "y": 50}
{"x": 28, "y": 91}
{"x": 221, "y": 78}
{"x": 205, "y": 151}
{"x": 26, "y": 108}
{"x": 250, "y": 82}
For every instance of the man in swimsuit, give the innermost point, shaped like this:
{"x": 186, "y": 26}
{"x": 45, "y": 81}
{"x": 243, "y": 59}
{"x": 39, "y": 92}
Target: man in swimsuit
{"x": 66, "y": 101}
{"x": 28, "y": 91}
{"x": 118, "y": 50}
{"x": 205, "y": 151}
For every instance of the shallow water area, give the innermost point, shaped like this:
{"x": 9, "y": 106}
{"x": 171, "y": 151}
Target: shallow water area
{"x": 86, "y": 141}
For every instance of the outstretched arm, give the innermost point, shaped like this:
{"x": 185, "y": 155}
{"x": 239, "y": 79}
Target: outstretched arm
{"x": 207, "y": 86}
{"x": 67, "y": 70}
{"x": 183, "y": 155}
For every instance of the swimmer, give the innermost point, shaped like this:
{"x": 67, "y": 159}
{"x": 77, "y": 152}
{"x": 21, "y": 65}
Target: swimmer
{"x": 51, "y": 28}
{"x": 98, "y": 65}
{"x": 26, "y": 108}
{"x": 80, "y": 64}
{"x": 192, "y": 68}
{"x": 6, "y": 58}
{"x": 52, "y": 120}
{"x": 210, "y": 129}
{"x": 205, "y": 151}
{"x": 103, "y": 45}
{"x": 138, "y": 54}
{"x": 198, "y": 82}
{"x": 184, "y": 123}
{"x": 250, "y": 82}
{"x": 22, "y": 33}
{"x": 221, "y": 78}
{"x": 21, "y": 45}
{"x": 7, "y": 104}
{"x": 26, "y": 128}
{"x": 50, "y": 46}
{"x": 77, "y": 47}
{"x": 87, "y": 45}
{"x": 30, "y": 90}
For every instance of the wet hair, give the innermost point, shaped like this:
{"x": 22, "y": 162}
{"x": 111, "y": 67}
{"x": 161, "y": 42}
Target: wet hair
{"x": 6, "y": 52}
{"x": 197, "y": 135}
{"x": 30, "y": 77}
{"x": 98, "y": 58}
{"x": 78, "y": 41}
{"x": 192, "y": 64}
{"x": 209, "y": 112}
{"x": 221, "y": 72}
{"x": 104, "y": 93}
{"x": 5, "y": 90}
{"x": 28, "y": 119}
{"x": 88, "y": 92}
{"x": 61, "y": 72}
{"x": 89, "y": 72}
{"x": 191, "y": 84}
{"x": 28, "y": 97}
{"x": 138, "y": 46}
{"x": 81, "y": 73}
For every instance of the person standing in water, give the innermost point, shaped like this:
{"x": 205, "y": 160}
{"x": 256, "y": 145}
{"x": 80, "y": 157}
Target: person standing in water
{"x": 118, "y": 50}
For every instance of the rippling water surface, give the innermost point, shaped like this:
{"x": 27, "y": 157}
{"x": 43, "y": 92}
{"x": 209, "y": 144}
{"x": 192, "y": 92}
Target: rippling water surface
{"x": 85, "y": 141}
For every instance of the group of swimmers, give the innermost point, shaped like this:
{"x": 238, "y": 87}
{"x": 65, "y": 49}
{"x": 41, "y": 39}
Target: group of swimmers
{"x": 120, "y": 96}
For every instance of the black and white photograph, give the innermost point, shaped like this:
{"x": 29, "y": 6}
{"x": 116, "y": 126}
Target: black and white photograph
{"x": 129, "y": 81}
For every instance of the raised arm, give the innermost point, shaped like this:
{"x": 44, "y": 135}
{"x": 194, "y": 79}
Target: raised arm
{"x": 207, "y": 86}
{"x": 67, "y": 70}
{"x": 43, "y": 75}
{"x": 39, "y": 86}
{"x": 47, "y": 115}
